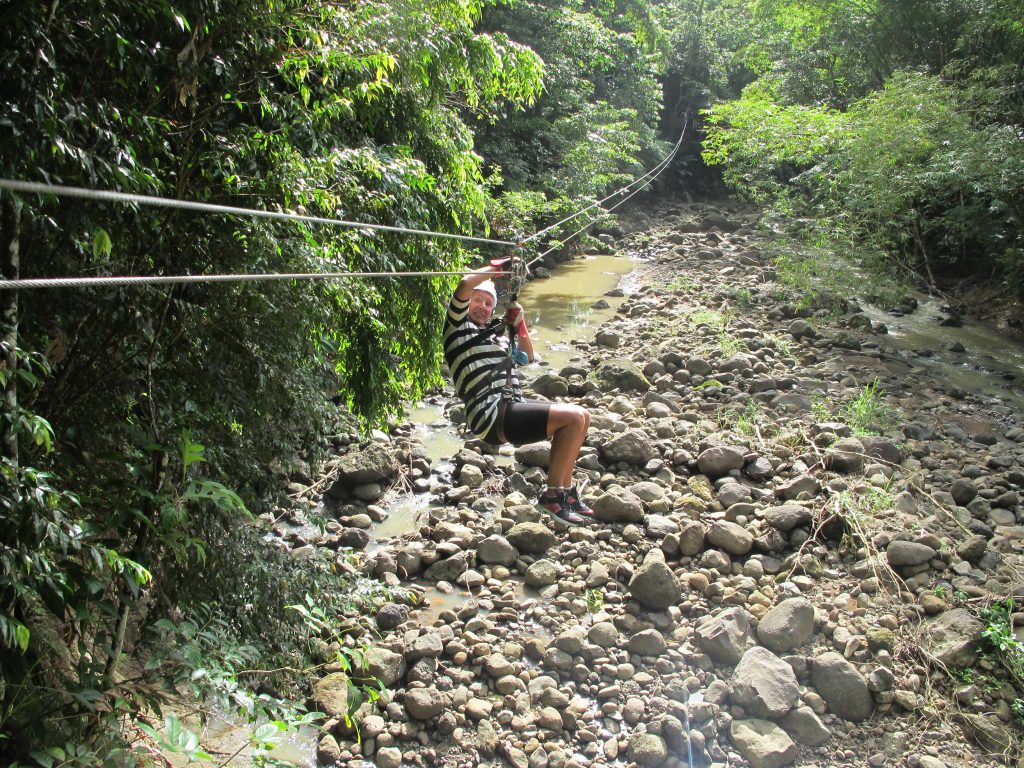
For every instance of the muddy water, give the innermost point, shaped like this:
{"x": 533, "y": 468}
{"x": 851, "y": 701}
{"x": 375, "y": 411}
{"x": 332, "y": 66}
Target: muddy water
{"x": 990, "y": 364}
{"x": 560, "y": 309}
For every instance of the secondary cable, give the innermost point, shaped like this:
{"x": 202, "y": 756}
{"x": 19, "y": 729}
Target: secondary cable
{"x": 647, "y": 179}
{"x": 657, "y": 169}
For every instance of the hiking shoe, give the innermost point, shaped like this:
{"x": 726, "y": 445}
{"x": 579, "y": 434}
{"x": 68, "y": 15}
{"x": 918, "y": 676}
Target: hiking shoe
{"x": 556, "y": 506}
{"x": 577, "y": 504}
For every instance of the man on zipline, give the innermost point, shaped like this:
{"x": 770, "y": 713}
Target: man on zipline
{"x": 478, "y": 359}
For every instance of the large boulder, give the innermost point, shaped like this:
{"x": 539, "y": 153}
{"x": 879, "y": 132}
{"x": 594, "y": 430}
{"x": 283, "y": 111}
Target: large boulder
{"x": 842, "y": 687}
{"x": 449, "y": 569}
{"x": 424, "y": 703}
{"x": 719, "y": 460}
{"x": 906, "y": 554}
{"x": 653, "y": 584}
{"x": 882, "y": 448}
{"x": 787, "y": 626}
{"x": 623, "y": 375}
{"x": 951, "y": 638}
{"x": 786, "y": 517}
{"x": 618, "y": 506}
{"x": 330, "y": 695}
{"x": 764, "y": 685}
{"x": 496, "y": 550}
{"x": 632, "y": 447}
{"x": 531, "y": 538}
{"x": 725, "y": 636}
{"x": 370, "y": 464}
{"x": 383, "y": 665}
{"x": 762, "y": 743}
{"x": 846, "y": 456}
{"x": 730, "y": 537}
{"x": 647, "y": 750}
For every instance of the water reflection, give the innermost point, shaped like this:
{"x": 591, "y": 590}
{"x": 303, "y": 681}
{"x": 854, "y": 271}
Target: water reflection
{"x": 561, "y": 309}
{"x": 404, "y": 514}
{"x": 439, "y": 437}
{"x": 989, "y": 363}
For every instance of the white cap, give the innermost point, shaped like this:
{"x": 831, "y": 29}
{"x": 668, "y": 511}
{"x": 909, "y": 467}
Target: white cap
{"x": 487, "y": 286}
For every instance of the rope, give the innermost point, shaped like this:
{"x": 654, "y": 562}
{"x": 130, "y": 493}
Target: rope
{"x": 30, "y": 187}
{"x": 88, "y": 282}
{"x": 657, "y": 169}
{"x": 653, "y": 174}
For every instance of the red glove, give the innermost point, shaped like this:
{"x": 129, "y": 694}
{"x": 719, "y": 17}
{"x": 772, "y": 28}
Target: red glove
{"x": 513, "y": 314}
{"x": 515, "y": 317}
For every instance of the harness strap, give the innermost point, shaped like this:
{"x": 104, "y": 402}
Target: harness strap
{"x": 511, "y": 293}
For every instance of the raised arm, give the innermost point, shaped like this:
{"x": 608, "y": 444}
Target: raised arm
{"x": 472, "y": 279}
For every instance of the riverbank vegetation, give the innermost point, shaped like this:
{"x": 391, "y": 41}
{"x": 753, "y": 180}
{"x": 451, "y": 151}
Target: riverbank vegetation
{"x": 149, "y": 432}
{"x": 891, "y": 131}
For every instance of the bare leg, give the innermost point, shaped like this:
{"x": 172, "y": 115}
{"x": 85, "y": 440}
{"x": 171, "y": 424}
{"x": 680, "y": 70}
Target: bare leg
{"x": 567, "y": 428}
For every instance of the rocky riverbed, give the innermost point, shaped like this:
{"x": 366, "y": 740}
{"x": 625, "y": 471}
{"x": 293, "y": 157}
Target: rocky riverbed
{"x": 765, "y": 583}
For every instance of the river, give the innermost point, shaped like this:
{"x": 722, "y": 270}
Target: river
{"x": 565, "y": 310}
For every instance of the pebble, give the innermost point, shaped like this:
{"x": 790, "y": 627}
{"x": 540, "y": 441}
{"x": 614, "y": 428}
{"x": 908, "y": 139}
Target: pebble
{"x": 613, "y": 670}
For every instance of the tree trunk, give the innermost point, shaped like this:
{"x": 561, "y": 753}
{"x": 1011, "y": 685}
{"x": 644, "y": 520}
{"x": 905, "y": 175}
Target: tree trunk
{"x": 10, "y": 231}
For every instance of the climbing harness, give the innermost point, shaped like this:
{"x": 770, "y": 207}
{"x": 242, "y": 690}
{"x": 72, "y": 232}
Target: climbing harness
{"x": 508, "y": 284}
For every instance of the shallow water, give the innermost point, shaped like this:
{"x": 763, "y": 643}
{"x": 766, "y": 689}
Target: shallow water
{"x": 560, "y": 309}
{"x": 437, "y": 434}
{"x": 229, "y": 736}
{"x": 991, "y": 365}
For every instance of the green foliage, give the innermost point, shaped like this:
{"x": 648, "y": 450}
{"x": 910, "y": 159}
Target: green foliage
{"x": 866, "y": 413}
{"x": 751, "y": 420}
{"x": 763, "y": 143}
{"x": 877, "y": 135}
{"x": 781, "y": 344}
{"x": 76, "y": 755}
{"x": 201, "y": 655}
{"x": 962, "y": 674}
{"x": 957, "y": 596}
{"x": 921, "y": 179}
{"x": 709, "y": 317}
{"x": 351, "y": 657}
{"x": 730, "y": 345}
{"x": 862, "y": 508}
{"x": 593, "y": 127}
{"x": 175, "y": 739}
{"x": 999, "y": 633}
{"x": 255, "y": 107}
{"x": 161, "y": 402}
{"x": 59, "y": 571}
{"x": 1008, "y": 650}
{"x": 683, "y": 282}
{"x": 725, "y": 342}
{"x": 743, "y": 298}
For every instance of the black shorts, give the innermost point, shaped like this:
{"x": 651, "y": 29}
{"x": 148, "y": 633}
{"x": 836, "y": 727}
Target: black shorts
{"x": 526, "y": 421}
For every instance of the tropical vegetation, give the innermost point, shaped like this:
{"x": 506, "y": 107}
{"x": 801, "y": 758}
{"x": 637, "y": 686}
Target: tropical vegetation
{"x": 148, "y": 431}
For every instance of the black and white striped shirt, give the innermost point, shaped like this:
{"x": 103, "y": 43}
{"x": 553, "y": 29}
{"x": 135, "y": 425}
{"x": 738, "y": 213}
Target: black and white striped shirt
{"x": 477, "y": 360}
